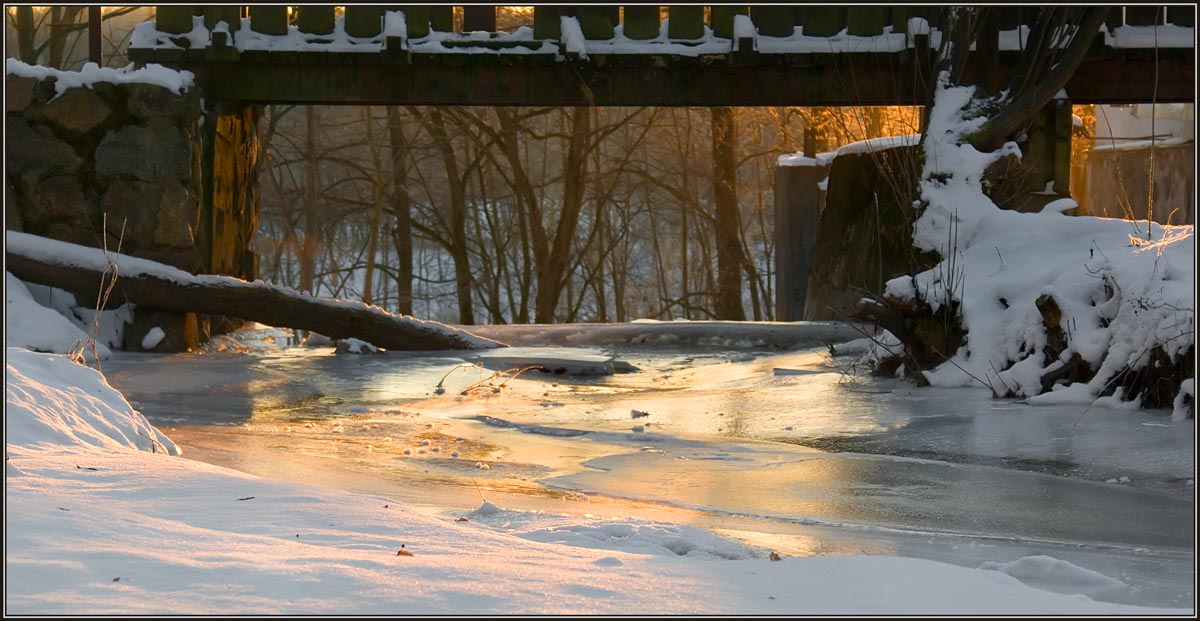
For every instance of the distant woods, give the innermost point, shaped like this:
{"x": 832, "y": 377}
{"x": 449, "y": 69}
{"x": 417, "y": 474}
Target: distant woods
{"x": 517, "y": 215}
{"x": 57, "y": 36}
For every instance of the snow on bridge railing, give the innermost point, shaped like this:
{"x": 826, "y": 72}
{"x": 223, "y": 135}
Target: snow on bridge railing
{"x": 227, "y": 32}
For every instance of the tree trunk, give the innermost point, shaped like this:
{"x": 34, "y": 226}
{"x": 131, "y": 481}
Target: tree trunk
{"x": 728, "y": 223}
{"x": 402, "y": 207}
{"x": 377, "y": 204}
{"x": 1042, "y": 71}
{"x": 552, "y": 274}
{"x": 40, "y": 261}
{"x": 463, "y": 280}
{"x": 312, "y": 217}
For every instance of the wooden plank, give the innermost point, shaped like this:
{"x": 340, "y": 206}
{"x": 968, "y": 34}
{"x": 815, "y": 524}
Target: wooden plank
{"x": 169, "y": 56}
{"x": 865, "y": 21}
{"x": 315, "y": 19}
{"x": 824, "y": 21}
{"x": 721, "y": 19}
{"x": 269, "y": 19}
{"x": 987, "y": 51}
{"x": 1115, "y": 17}
{"x": 774, "y": 20}
{"x": 441, "y": 18}
{"x": 595, "y": 22}
{"x": 547, "y": 22}
{"x": 308, "y": 57}
{"x": 1182, "y": 16}
{"x": 173, "y": 18}
{"x": 479, "y": 18}
{"x": 685, "y": 22}
{"x": 394, "y": 52}
{"x": 1142, "y": 15}
{"x": 231, "y": 15}
{"x": 416, "y": 19}
{"x": 643, "y": 22}
{"x": 220, "y": 48}
{"x": 1009, "y": 17}
{"x": 931, "y": 14}
{"x": 255, "y": 56}
{"x": 363, "y": 20}
{"x": 899, "y": 18}
{"x": 885, "y": 79}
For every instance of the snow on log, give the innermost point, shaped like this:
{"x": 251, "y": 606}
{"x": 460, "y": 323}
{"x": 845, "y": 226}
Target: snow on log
{"x": 147, "y": 283}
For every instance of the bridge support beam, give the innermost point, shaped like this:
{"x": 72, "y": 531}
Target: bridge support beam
{"x": 230, "y": 208}
{"x": 797, "y": 204}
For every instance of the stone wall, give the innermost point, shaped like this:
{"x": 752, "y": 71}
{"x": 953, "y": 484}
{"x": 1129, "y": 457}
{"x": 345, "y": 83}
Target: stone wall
{"x": 128, "y": 152}
{"x": 109, "y": 164}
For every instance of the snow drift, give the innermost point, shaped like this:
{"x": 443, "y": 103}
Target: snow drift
{"x": 55, "y": 402}
{"x": 1036, "y": 292}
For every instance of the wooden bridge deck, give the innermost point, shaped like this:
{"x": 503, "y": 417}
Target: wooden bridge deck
{"x": 601, "y": 55}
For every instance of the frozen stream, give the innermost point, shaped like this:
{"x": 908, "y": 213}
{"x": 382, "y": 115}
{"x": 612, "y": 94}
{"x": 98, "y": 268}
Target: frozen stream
{"x": 787, "y": 451}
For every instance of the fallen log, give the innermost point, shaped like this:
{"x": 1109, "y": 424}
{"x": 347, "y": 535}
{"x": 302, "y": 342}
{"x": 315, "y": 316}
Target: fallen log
{"x": 79, "y": 269}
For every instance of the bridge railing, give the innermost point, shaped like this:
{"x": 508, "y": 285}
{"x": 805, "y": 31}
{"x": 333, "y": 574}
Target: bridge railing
{"x": 685, "y": 24}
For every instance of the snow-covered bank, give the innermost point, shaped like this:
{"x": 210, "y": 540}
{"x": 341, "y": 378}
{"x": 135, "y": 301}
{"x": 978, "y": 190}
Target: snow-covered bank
{"x": 99, "y": 520}
{"x": 52, "y": 401}
{"x": 1118, "y": 294}
{"x": 146, "y": 534}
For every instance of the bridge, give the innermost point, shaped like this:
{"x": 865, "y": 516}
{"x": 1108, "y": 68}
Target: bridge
{"x": 771, "y": 55}
{"x": 244, "y": 57}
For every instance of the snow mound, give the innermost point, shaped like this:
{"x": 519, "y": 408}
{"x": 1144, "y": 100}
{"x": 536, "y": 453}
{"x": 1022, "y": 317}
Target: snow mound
{"x": 355, "y": 346}
{"x": 32, "y": 326}
{"x": 486, "y": 509}
{"x": 855, "y": 347}
{"x": 1051, "y": 574}
{"x": 53, "y": 401}
{"x": 641, "y": 536}
{"x": 1124, "y": 288}
{"x": 557, "y": 360}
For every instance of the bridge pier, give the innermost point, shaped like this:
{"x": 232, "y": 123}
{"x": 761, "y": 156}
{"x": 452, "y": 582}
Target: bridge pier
{"x": 230, "y": 208}
{"x": 797, "y": 205}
